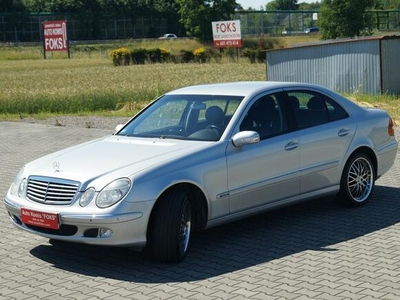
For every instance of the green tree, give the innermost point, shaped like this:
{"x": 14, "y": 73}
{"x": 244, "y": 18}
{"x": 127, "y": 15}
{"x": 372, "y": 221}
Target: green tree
{"x": 117, "y": 6}
{"x": 166, "y": 6}
{"x": 169, "y": 10}
{"x": 35, "y": 5}
{"x": 282, "y": 5}
{"x": 11, "y": 6}
{"x": 62, "y": 5}
{"x": 387, "y": 4}
{"x": 197, "y": 15}
{"x": 344, "y": 18}
{"x": 309, "y": 6}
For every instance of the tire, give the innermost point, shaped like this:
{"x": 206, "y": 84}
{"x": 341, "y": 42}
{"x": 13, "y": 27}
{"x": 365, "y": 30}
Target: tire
{"x": 358, "y": 181}
{"x": 171, "y": 228}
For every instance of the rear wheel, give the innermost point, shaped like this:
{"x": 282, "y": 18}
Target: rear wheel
{"x": 171, "y": 228}
{"x": 358, "y": 180}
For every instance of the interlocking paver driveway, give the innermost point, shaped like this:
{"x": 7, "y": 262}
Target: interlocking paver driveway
{"x": 314, "y": 250}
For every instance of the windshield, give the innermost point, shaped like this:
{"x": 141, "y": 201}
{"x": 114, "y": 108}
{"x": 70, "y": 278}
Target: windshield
{"x": 188, "y": 117}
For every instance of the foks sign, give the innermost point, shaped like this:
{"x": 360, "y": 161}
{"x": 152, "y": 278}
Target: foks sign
{"x": 227, "y": 34}
{"x": 55, "y": 36}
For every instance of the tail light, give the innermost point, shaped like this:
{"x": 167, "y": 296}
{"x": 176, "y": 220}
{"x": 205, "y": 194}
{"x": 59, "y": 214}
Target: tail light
{"x": 390, "y": 127}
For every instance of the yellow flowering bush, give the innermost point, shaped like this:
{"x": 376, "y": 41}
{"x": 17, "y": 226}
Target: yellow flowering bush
{"x": 165, "y": 55}
{"x": 200, "y": 54}
{"x": 120, "y": 57}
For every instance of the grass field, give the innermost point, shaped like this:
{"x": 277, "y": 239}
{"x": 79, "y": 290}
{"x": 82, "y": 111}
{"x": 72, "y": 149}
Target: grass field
{"x": 79, "y": 86}
{"x": 90, "y": 84}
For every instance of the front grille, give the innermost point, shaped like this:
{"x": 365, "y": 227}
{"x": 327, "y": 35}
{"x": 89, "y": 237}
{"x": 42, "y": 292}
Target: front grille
{"x": 49, "y": 190}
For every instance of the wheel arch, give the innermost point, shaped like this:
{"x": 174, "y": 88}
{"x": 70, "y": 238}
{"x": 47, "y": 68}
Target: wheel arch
{"x": 199, "y": 205}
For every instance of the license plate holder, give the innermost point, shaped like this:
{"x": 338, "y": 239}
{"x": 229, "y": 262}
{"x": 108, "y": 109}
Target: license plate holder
{"x": 40, "y": 219}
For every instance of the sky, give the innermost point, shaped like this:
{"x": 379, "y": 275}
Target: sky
{"x": 257, "y": 3}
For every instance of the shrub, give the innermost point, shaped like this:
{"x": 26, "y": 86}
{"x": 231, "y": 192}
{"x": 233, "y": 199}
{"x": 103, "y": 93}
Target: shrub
{"x": 214, "y": 54}
{"x": 154, "y": 55}
{"x": 250, "y": 43}
{"x": 270, "y": 43}
{"x": 186, "y": 56}
{"x": 250, "y": 54}
{"x": 231, "y": 53}
{"x": 139, "y": 56}
{"x": 120, "y": 57}
{"x": 254, "y": 49}
{"x": 261, "y": 55}
{"x": 201, "y": 55}
{"x": 165, "y": 55}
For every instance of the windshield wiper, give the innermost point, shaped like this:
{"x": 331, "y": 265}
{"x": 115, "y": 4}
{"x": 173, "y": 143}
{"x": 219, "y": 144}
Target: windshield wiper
{"x": 174, "y": 137}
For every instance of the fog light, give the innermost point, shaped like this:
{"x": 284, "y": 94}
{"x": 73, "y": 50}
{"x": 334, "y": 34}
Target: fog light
{"x": 105, "y": 233}
{"x": 15, "y": 219}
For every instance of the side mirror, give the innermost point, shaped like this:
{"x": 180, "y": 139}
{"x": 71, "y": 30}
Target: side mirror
{"x": 119, "y": 127}
{"x": 245, "y": 138}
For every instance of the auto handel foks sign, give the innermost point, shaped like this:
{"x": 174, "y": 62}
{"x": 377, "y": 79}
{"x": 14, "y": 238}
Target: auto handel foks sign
{"x": 55, "y": 36}
{"x": 227, "y": 34}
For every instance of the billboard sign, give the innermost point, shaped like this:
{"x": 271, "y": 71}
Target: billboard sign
{"x": 227, "y": 34}
{"x": 55, "y": 36}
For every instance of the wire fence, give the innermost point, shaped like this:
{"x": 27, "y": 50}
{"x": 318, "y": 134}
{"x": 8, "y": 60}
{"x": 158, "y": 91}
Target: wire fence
{"x": 296, "y": 22}
{"x": 26, "y": 27}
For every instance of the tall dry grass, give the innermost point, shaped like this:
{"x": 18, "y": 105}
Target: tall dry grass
{"x": 90, "y": 85}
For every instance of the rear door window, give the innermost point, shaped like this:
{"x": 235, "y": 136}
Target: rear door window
{"x": 312, "y": 109}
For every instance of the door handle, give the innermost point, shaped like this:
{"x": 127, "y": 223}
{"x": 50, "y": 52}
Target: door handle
{"x": 343, "y": 132}
{"x": 291, "y": 145}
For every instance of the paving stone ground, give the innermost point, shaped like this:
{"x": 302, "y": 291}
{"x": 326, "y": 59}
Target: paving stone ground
{"x": 314, "y": 250}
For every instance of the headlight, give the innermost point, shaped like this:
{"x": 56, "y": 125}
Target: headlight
{"x": 22, "y": 187}
{"x": 113, "y": 192}
{"x": 18, "y": 186}
{"x": 87, "y": 196}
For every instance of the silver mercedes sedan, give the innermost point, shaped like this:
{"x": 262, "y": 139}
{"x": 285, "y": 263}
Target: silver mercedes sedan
{"x": 202, "y": 156}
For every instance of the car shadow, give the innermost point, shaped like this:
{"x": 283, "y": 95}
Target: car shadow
{"x": 317, "y": 225}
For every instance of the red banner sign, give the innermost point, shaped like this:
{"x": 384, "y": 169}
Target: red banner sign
{"x": 40, "y": 219}
{"x": 55, "y": 36}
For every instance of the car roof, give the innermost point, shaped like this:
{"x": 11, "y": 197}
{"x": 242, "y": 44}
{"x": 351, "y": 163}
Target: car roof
{"x": 242, "y": 88}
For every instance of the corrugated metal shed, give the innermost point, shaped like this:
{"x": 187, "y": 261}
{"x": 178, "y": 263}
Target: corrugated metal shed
{"x": 369, "y": 65}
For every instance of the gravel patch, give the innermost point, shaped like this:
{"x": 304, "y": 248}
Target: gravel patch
{"x": 82, "y": 122}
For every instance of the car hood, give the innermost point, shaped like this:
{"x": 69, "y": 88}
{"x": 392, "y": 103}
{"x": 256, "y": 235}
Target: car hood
{"x": 110, "y": 158}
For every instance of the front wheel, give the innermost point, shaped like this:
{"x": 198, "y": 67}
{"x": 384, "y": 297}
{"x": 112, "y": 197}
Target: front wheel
{"x": 170, "y": 231}
{"x": 358, "y": 180}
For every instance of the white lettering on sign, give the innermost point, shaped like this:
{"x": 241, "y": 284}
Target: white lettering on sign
{"x": 55, "y": 36}
{"x": 49, "y": 217}
{"x": 39, "y": 215}
{"x": 58, "y": 31}
{"x": 26, "y": 213}
{"x": 41, "y": 219}
{"x": 55, "y": 44}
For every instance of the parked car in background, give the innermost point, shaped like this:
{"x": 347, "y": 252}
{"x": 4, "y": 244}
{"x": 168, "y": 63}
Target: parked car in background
{"x": 202, "y": 156}
{"x": 311, "y": 30}
{"x": 168, "y": 36}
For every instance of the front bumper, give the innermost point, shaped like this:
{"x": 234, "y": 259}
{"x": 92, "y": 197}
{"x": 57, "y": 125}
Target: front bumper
{"x": 122, "y": 229}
